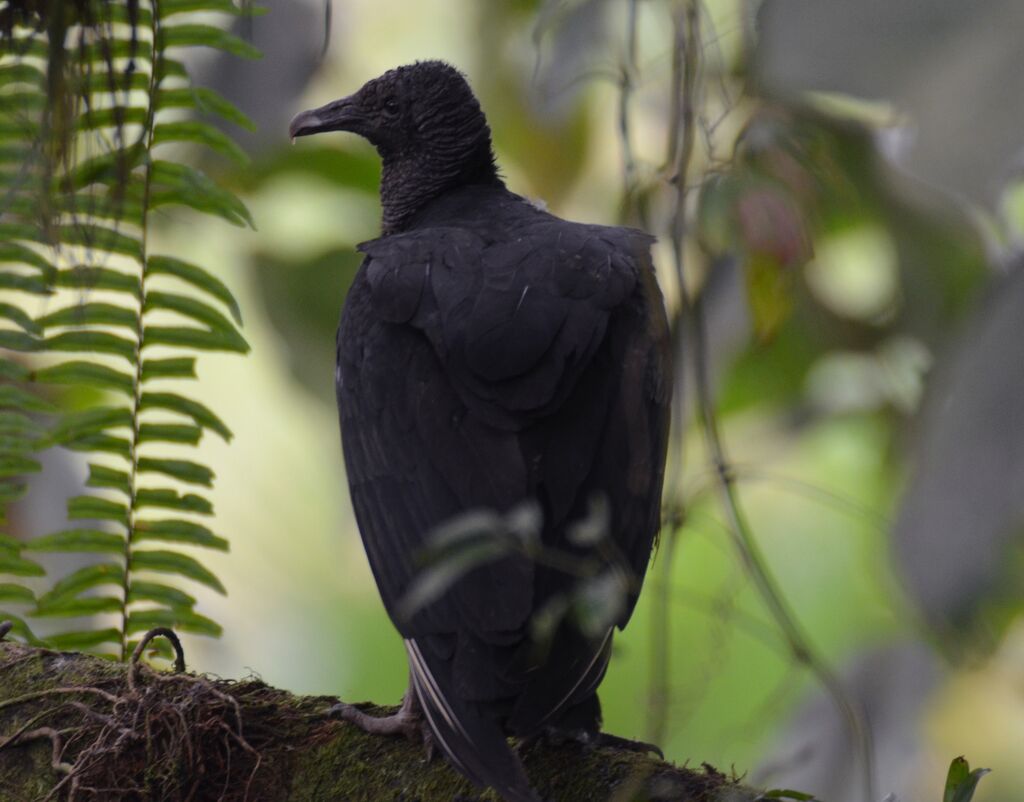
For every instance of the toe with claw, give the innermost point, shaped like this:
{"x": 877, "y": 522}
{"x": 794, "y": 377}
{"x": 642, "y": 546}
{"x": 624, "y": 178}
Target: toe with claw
{"x": 408, "y": 721}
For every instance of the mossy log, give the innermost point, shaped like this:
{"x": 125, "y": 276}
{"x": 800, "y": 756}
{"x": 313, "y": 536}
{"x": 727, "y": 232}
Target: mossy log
{"x": 79, "y": 727}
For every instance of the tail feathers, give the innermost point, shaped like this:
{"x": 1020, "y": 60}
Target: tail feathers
{"x": 474, "y": 743}
{"x": 572, "y": 673}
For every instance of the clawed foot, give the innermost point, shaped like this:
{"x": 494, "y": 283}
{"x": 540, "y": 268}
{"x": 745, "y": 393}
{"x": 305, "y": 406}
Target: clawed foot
{"x": 591, "y": 739}
{"x": 407, "y": 721}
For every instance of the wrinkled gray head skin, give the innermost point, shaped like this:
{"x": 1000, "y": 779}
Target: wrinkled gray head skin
{"x": 427, "y": 126}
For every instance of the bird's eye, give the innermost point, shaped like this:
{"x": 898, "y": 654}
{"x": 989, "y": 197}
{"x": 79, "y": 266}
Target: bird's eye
{"x": 391, "y": 106}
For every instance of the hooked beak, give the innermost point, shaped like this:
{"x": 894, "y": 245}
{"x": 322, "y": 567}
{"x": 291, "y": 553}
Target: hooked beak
{"x": 339, "y": 115}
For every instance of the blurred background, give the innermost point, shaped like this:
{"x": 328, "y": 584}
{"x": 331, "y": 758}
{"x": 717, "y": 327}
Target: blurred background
{"x": 847, "y": 191}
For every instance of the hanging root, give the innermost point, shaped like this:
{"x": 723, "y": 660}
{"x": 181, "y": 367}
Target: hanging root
{"x": 145, "y": 734}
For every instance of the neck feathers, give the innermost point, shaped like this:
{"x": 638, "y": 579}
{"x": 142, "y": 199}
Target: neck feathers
{"x": 410, "y": 181}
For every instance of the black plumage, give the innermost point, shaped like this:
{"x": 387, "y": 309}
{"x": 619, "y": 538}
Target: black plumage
{"x": 490, "y": 353}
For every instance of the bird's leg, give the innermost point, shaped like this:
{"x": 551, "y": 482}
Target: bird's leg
{"x": 408, "y": 720}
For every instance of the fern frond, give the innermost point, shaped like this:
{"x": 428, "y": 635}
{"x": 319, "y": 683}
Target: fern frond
{"x": 206, "y": 101}
{"x": 84, "y": 179}
{"x": 180, "y": 469}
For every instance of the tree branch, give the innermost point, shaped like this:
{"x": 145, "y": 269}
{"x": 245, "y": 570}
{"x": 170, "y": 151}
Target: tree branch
{"x": 117, "y": 733}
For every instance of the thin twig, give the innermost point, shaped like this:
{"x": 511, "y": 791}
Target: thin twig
{"x": 635, "y": 210}
{"x": 679, "y": 151}
{"x": 799, "y": 644}
{"x": 686, "y": 25}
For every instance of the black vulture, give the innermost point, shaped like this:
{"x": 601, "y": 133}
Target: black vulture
{"x": 491, "y": 354}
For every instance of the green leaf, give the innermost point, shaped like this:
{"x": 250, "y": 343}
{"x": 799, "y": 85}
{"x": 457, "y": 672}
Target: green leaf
{"x": 18, "y": 341}
{"x": 182, "y": 367}
{"x": 13, "y": 397}
{"x": 171, "y": 68}
{"x": 163, "y": 594}
{"x": 93, "y": 313}
{"x": 180, "y": 184}
{"x": 200, "y": 133}
{"x": 17, "y": 465}
{"x": 191, "y": 35}
{"x": 102, "y": 476}
{"x": 22, "y": 102}
{"x": 189, "y": 307}
{"x": 84, "y": 277}
{"x": 21, "y": 629}
{"x": 113, "y": 168}
{"x": 170, "y": 7}
{"x": 15, "y": 593}
{"x": 16, "y": 423}
{"x": 28, "y": 284}
{"x": 183, "y": 470}
{"x": 199, "y": 413}
{"x": 14, "y": 564}
{"x": 171, "y": 500}
{"x": 430, "y": 583}
{"x": 176, "y": 618}
{"x": 108, "y": 83}
{"x": 19, "y": 72}
{"x": 82, "y": 579}
{"x": 200, "y": 339}
{"x": 140, "y": 16}
{"x": 21, "y": 254}
{"x": 205, "y": 100}
{"x": 169, "y": 433}
{"x": 104, "y": 443}
{"x": 17, "y": 316}
{"x": 16, "y": 443}
{"x": 518, "y": 526}
{"x": 79, "y": 641}
{"x": 961, "y": 782}
{"x": 21, "y": 128}
{"x": 13, "y": 152}
{"x": 111, "y": 117}
{"x": 179, "y": 532}
{"x": 99, "y": 238}
{"x": 14, "y": 371}
{"x": 959, "y": 771}
{"x": 198, "y": 277}
{"x": 92, "y": 341}
{"x": 9, "y": 492}
{"x": 10, "y": 545}
{"x": 770, "y": 294}
{"x": 785, "y": 793}
{"x": 75, "y": 425}
{"x": 102, "y": 509}
{"x": 103, "y": 52}
{"x": 91, "y": 540}
{"x": 78, "y": 606}
{"x": 10, "y": 229}
{"x": 172, "y": 562}
{"x": 113, "y": 207}
{"x": 87, "y": 373}
{"x": 599, "y": 601}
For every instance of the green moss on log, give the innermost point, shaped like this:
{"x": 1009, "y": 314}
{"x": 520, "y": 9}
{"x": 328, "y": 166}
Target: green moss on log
{"x": 161, "y": 736}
